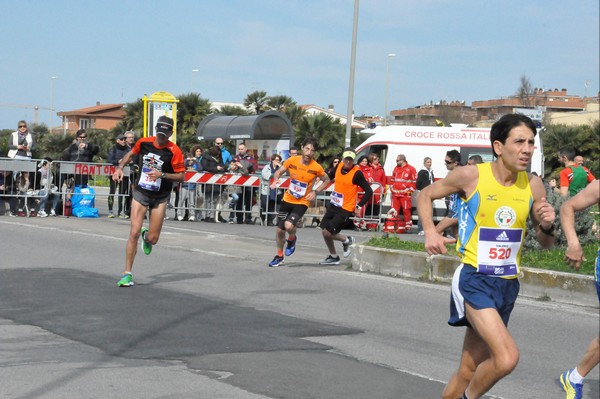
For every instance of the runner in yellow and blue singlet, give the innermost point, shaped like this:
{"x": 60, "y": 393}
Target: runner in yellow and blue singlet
{"x": 495, "y": 201}
{"x": 492, "y": 224}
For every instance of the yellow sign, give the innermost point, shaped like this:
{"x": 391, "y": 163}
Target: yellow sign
{"x": 158, "y": 104}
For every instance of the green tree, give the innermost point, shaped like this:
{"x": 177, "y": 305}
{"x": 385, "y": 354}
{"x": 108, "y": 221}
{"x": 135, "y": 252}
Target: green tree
{"x": 232, "y": 110}
{"x": 191, "y": 109}
{"x": 295, "y": 114}
{"x": 134, "y": 118}
{"x": 256, "y": 100}
{"x": 280, "y": 103}
{"x": 328, "y": 132}
{"x": 583, "y": 138}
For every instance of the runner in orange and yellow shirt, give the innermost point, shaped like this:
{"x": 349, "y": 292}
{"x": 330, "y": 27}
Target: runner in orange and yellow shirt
{"x": 349, "y": 181}
{"x": 303, "y": 170}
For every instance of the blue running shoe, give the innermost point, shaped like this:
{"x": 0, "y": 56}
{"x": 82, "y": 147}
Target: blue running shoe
{"x": 277, "y": 260}
{"x": 146, "y": 246}
{"x": 574, "y": 391}
{"x": 291, "y": 247}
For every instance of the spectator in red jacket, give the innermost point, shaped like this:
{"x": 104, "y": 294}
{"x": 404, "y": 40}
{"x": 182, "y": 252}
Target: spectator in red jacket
{"x": 378, "y": 175}
{"x": 403, "y": 184}
{"x": 363, "y": 166}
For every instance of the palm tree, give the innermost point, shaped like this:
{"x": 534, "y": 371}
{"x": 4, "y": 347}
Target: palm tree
{"x": 191, "y": 109}
{"x": 233, "y": 110}
{"x": 134, "y": 117}
{"x": 583, "y": 138}
{"x": 328, "y": 132}
{"x": 295, "y": 114}
{"x": 256, "y": 100}
{"x": 280, "y": 103}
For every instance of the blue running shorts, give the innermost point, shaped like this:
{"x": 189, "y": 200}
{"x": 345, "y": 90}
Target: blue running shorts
{"x": 481, "y": 291}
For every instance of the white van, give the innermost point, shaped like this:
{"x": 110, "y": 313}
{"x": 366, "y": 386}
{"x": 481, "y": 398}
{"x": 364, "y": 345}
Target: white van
{"x": 418, "y": 142}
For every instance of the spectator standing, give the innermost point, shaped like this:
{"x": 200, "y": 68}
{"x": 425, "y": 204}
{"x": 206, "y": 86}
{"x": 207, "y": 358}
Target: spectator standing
{"x": 245, "y": 164}
{"x": 130, "y": 142}
{"x": 498, "y": 198}
{"x": 574, "y": 177}
{"x": 226, "y": 156}
{"x": 403, "y": 184}
{"x": 332, "y": 167}
{"x": 362, "y": 165}
{"x": 47, "y": 189}
{"x": 425, "y": 177}
{"x": 378, "y": 174}
{"x": 349, "y": 180}
{"x": 572, "y": 380}
{"x": 21, "y": 142}
{"x": 81, "y": 151}
{"x": 212, "y": 163}
{"x": 452, "y": 161}
{"x": 293, "y": 152}
{"x": 304, "y": 170}
{"x": 474, "y": 160}
{"x": 115, "y": 154}
{"x": 199, "y": 192}
{"x": 160, "y": 163}
{"x": 187, "y": 195}
{"x": 268, "y": 197}
{"x": 579, "y": 160}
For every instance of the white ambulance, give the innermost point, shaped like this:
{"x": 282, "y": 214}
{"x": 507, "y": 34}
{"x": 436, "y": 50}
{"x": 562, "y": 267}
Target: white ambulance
{"x": 418, "y": 142}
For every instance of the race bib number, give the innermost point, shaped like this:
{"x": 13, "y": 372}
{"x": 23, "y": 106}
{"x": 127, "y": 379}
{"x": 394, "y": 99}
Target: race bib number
{"x": 337, "y": 199}
{"x": 146, "y": 183}
{"x": 297, "y": 188}
{"x": 497, "y": 251}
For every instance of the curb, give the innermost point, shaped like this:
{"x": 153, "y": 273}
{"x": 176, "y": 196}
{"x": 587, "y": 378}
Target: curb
{"x": 538, "y": 284}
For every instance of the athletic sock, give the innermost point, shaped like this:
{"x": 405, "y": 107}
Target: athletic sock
{"x": 291, "y": 238}
{"x": 346, "y": 241}
{"x": 575, "y": 377}
{"x": 280, "y": 252}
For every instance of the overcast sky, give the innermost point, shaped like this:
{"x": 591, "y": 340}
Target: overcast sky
{"x": 115, "y": 51}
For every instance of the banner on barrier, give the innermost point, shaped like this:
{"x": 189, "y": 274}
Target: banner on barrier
{"x": 90, "y": 169}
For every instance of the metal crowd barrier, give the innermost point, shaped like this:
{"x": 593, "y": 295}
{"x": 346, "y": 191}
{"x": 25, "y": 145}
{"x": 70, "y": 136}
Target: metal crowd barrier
{"x": 202, "y": 195}
{"x": 20, "y": 184}
{"x": 248, "y": 190}
{"x": 64, "y": 176}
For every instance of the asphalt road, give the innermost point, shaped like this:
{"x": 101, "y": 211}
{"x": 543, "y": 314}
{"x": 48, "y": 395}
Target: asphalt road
{"x": 208, "y": 319}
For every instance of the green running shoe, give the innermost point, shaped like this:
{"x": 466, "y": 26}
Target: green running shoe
{"x": 146, "y": 246}
{"x": 126, "y": 280}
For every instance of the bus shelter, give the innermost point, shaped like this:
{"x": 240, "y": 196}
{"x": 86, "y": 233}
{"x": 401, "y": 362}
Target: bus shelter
{"x": 264, "y": 134}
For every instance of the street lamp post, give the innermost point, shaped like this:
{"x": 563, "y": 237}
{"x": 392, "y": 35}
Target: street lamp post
{"x": 387, "y": 84}
{"x": 52, "y": 78}
{"x": 194, "y": 71}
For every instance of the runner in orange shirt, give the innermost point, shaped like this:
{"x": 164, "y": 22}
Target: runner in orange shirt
{"x": 303, "y": 170}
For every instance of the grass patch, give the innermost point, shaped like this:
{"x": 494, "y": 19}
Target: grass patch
{"x": 552, "y": 259}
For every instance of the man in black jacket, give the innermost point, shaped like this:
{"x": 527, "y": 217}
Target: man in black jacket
{"x": 81, "y": 151}
{"x": 424, "y": 178}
